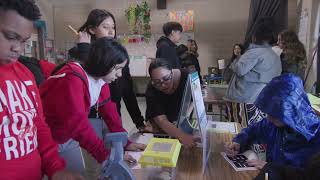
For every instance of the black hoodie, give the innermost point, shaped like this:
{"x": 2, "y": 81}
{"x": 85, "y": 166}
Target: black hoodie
{"x": 166, "y": 49}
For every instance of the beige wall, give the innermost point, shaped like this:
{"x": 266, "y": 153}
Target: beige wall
{"x": 218, "y": 23}
{"x": 47, "y": 15}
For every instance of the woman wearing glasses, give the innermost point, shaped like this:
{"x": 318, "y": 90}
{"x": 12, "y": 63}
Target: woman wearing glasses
{"x": 163, "y": 96}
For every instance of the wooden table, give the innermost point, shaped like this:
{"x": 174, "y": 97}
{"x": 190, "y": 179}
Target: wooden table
{"x": 189, "y": 165}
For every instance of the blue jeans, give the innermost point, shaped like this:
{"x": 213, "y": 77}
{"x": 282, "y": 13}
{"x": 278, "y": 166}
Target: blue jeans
{"x": 79, "y": 160}
{"x": 71, "y": 152}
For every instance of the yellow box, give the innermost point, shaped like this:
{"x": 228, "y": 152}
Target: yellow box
{"x": 161, "y": 152}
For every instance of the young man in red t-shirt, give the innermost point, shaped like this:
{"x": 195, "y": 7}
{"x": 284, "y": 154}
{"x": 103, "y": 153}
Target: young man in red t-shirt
{"x": 27, "y": 150}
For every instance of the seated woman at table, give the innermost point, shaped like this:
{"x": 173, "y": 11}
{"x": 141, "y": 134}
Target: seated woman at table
{"x": 291, "y": 130}
{"x": 163, "y": 97}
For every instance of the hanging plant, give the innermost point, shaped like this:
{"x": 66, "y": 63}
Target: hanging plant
{"x": 138, "y": 17}
{"x": 146, "y": 20}
{"x": 132, "y": 18}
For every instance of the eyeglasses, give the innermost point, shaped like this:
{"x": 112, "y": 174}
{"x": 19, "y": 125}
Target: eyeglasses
{"x": 159, "y": 82}
{"x": 115, "y": 68}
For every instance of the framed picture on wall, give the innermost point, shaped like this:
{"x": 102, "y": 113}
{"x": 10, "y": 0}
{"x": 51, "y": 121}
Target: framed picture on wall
{"x": 185, "y": 18}
{"x": 28, "y": 47}
{"x": 49, "y": 43}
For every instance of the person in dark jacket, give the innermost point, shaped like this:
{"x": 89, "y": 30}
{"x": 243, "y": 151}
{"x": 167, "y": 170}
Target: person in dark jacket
{"x": 280, "y": 172}
{"x": 164, "y": 97}
{"x": 166, "y": 45}
{"x": 122, "y": 87}
{"x": 41, "y": 69}
{"x": 33, "y": 65}
{"x": 291, "y": 130}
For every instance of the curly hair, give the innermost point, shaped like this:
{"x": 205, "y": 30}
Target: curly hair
{"x": 195, "y": 51}
{"x": 26, "y": 8}
{"x": 293, "y": 50}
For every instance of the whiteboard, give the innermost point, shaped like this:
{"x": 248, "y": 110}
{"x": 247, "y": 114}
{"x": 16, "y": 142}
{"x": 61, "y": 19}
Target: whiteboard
{"x": 138, "y": 66}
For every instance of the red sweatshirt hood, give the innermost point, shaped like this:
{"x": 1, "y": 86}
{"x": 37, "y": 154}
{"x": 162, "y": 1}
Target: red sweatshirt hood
{"x": 66, "y": 102}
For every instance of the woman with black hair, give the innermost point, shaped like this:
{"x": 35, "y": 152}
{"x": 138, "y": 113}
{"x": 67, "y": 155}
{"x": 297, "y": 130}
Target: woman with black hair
{"x": 237, "y": 51}
{"x": 68, "y": 95}
{"x": 101, "y": 23}
{"x": 163, "y": 97}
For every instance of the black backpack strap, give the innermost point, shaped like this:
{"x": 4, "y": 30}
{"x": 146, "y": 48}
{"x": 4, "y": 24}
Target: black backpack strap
{"x": 34, "y": 66}
{"x": 104, "y": 102}
{"x": 57, "y": 68}
{"x": 93, "y": 110}
{"x": 79, "y": 75}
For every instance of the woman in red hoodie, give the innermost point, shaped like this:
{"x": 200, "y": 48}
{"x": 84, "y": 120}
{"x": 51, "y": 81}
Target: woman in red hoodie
{"x": 68, "y": 95}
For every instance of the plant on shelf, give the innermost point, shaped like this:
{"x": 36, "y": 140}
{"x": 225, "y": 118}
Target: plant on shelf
{"x": 138, "y": 17}
{"x": 146, "y": 20}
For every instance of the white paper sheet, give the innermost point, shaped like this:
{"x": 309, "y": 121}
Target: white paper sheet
{"x": 139, "y": 138}
{"x": 222, "y": 127}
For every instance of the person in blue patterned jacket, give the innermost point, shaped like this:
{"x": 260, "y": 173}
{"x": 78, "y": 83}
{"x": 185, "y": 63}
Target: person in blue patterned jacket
{"x": 291, "y": 129}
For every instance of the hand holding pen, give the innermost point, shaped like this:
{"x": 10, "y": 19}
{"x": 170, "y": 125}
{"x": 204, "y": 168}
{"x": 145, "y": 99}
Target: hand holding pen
{"x": 232, "y": 148}
{"x": 83, "y": 37}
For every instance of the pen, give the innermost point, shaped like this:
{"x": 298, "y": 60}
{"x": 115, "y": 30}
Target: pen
{"x": 73, "y": 30}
